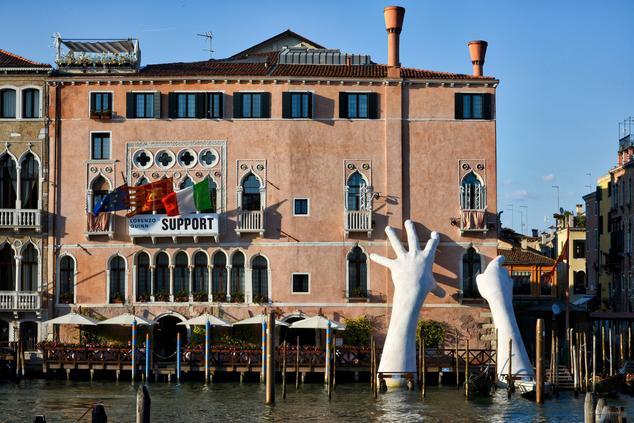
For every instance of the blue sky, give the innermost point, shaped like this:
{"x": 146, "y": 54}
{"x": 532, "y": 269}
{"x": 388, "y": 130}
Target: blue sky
{"x": 565, "y": 66}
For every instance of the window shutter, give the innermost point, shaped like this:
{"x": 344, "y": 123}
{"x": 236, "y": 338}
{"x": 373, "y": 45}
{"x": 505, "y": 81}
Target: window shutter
{"x": 110, "y": 105}
{"x": 373, "y": 104}
{"x": 310, "y": 105}
{"x": 157, "y": 105}
{"x": 172, "y": 99}
{"x": 343, "y": 105}
{"x": 488, "y": 106}
{"x": 266, "y": 105}
{"x": 237, "y": 105}
{"x": 221, "y": 105}
{"x": 130, "y": 110}
{"x": 93, "y": 102}
{"x": 286, "y": 105}
{"x": 200, "y": 105}
{"x": 458, "y": 106}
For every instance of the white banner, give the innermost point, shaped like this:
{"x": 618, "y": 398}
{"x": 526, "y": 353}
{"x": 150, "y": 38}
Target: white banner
{"x": 203, "y": 224}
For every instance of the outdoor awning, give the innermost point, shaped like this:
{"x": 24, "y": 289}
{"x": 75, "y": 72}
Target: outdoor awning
{"x": 72, "y": 319}
{"x": 127, "y": 319}
{"x": 100, "y": 46}
{"x": 257, "y": 320}
{"x": 203, "y": 319}
{"x": 317, "y": 322}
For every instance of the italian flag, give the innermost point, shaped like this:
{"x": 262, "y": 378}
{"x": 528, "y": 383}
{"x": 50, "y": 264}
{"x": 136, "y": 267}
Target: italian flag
{"x": 188, "y": 200}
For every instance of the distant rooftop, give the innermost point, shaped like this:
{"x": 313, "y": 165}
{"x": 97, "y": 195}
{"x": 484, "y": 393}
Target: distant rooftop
{"x": 12, "y": 61}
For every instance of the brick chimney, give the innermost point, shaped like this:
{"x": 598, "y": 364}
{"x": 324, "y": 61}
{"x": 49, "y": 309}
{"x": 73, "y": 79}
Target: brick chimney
{"x": 394, "y": 16}
{"x": 478, "y": 50}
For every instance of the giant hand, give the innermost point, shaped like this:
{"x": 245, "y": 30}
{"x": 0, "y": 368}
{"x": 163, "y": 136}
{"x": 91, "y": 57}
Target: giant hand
{"x": 413, "y": 280}
{"x": 496, "y": 287}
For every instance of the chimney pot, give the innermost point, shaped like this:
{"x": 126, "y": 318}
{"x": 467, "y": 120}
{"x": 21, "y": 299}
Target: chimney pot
{"x": 478, "y": 51}
{"x": 394, "y": 16}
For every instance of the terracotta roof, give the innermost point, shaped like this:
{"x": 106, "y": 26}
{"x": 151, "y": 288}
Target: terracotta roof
{"x": 270, "y": 68}
{"x": 526, "y": 257}
{"x": 11, "y": 60}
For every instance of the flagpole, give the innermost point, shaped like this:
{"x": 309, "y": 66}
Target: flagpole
{"x": 567, "y": 245}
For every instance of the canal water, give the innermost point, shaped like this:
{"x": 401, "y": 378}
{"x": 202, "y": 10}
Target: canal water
{"x": 66, "y": 401}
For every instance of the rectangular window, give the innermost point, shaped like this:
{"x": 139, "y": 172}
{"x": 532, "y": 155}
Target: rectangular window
{"x": 473, "y": 106}
{"x": 186, "y": 105}
{"x": 358, "y": 105}
{"x": 100, "y": 146}
{"x": 578, "y": 249}
{"x": 300, "y": 207}
{"x": 144, "y": 103}
{"x": 101, "y": 105}
{"x": 300, "y": 283}
{"x": 214, "y": 106}
{"x": 297, "y": 105}
{"x": 521, "y": 283}
{"x": 251, "y": 105}
{"x": 30, "y": 103}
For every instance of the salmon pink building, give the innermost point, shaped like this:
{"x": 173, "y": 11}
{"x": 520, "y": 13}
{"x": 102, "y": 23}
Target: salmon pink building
{"x": 308, "y": 152}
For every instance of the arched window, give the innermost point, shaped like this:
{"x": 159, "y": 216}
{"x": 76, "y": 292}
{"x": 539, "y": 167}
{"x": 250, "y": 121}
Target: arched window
{"x": 7, "y": 268}
{"x": 472, "y": 193}
{"x": 219, "y": 277}
{"x": 181, "y": 277}
{"x": 357, "y": 274}
{"x": 579, "y": 282}
{"x": 30, "y": 103}
{"x": 187, "y": 182}
{"x": 7, "y": 103}
{"x": 251, "y": 193}
{"x": 117, "y": 279}
{"x": 237, "y": 276}
{"x": 29, "y": 182}
{"x": 260, "y": 280}
{"x": 29, "y": 269}
{"x": 8, "y": 182}
{"x": 356, "y": 197}
{"x": 66, "y": 280}
{"x": 162, "y": 277}
{"x": 100, "y": 188}
{"x": 201, "y": 277}
{"x": 471, "y": 267}
{"x": 143, "y": 277}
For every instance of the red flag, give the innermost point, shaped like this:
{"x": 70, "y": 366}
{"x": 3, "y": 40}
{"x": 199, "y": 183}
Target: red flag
{"x": 171, "y": 204}
{"x": 147, "y": 198}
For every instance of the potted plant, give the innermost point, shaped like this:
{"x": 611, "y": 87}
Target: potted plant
{"x": 200, "y": 296}
{"x": 260, "y": 299}
{"x": 161, "y": 296}
{"x": 181, "y": 296}
{"x": 358, "y": 294}
{"x": 237, "y": 297}
{"x": 66, "y": 298}
{"x": 143, "y": 298}
{"x": 220, "y": 296}
{"x": 116, "y": 298}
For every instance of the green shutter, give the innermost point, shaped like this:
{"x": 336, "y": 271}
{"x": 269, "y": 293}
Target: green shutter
{"x": 172, "y": 99}
{"x": 458, "y": 108}
{"x": 286, "y": 105}
{"x": 237, "y": 105}
{"x": 343, "y": 105}
{"x": 488, "y": 105}
{"x": 200, "y": 105}
{"x": 221, "y": 105}
{"x": 310, "y": 105}
{"x": 266, "y": 105}
{"x": 373, "y": 105}
{"x": 157, "y": 105}
{"x": 130, "y": 109}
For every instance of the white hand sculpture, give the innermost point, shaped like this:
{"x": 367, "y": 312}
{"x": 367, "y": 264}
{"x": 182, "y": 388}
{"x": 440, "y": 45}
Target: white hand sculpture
{"x": 413, "y": 280}
{"x": 496, "y": 287}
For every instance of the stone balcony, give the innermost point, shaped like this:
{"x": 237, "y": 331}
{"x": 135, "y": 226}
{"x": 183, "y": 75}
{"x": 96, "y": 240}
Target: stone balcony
{"x": 101, "y": 225}
{"x": 21, "y": 219}
{"x": 250, "y": 221}
{"x": 473, "y": 221}
{"x": 20, "y": 301}
{"x": 358, "y": 221}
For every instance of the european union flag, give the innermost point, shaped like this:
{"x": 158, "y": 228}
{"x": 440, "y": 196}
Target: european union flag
{"x": 119, "y": 199}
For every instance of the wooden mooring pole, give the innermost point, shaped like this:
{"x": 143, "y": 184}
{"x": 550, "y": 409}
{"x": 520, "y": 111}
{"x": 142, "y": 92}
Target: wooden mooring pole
{"x": 594, "y": 360}
{"x": 510, "y": 373}
{"x": 284, "y": 371}
{"x": 466, "y": 370}
{"x": 143, "y": 405}
{"x": 297, "y": 365}
{"x": 539, "y": 361}
{"x": 178, "y": 357}
{"x": 457, "y": 361}
{"x": 133, "y": 353}
{"x": 270, "y": 359}
{"x": 207, "y": 351}
{"x": 423, "y": 365}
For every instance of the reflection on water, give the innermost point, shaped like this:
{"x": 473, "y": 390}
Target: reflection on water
{"x": 63, "y": 401}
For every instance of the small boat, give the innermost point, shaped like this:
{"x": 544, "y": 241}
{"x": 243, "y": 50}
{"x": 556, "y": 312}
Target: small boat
{"x": 482, "y": 383}
{"x": 610, "y": 385}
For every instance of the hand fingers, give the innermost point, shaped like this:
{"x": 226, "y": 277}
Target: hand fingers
{"x": 430, "y": 248}
{"x": 495, "y": 264}
{"x": 396, "y": 243}
{"x": 383, "y": 261}
{"x": 412, "y": 236}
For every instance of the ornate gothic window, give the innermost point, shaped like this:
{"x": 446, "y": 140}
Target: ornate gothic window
{"x": 181, "y": 276}
{"x": 201, "y": 274}
{"x": 237, "y": 275}
{"x": 357, "y": 274}
{"x": 66, "y": 280}
{"x": 117, "y": 279}
{"x": 162, "y": 277}
{"x": 29, "y": 182}
{"x": 472, "y": 193}
{"x": 251, "y": 193}
{"x": 219, "y": 276}
{"x": 471, "y": 267}
{"x": 143, "y": 277}
{"x": 29, "y": 269}
{"x": 7, "y": 268}
{"x": 260, "y": 280}
{"x": 8, "y": 182}
{"x": 357, "y": 189}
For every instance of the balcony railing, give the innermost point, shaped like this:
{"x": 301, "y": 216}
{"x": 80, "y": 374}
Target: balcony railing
{"x": 102, "y": 224}
{"x": 358, "y": 221}
{"x": 473, "y": 221}
{"x": 250, "y": 221}
{"x": 20, "y": 219}
{"x": 14, "y": 300}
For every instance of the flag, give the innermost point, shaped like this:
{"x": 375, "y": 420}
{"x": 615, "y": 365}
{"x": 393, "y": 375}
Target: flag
{"x": 147, "y": 198}
{"x": 119, "y": 199}
{"x": 188, "y": 200}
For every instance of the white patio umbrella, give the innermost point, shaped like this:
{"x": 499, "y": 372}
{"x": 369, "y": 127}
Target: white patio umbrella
{"x": 258, "y": 319}
{"x": 72, "y": 319}
{"x": 317, "y": 322}
{"x": 127, "y": 319}
{"x": 203, "y": 319}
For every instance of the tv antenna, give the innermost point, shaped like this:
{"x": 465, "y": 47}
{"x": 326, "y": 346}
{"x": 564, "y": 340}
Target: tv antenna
{"x": 209, "y": 35}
